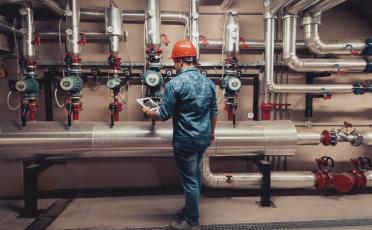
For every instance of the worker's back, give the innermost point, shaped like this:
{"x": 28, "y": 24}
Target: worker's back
{"x": 195, "y": 101}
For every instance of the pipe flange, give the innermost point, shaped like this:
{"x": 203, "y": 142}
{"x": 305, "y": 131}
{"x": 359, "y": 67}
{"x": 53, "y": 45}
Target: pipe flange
{"x": 358, "y": 139}
{"x": 333, "y": 138}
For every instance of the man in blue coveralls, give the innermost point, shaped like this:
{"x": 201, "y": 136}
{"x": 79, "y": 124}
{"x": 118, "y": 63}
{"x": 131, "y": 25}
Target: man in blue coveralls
{"x": 190, "y": 100}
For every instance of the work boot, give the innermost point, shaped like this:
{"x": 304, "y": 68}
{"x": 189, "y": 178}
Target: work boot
{"x": 184, "y": 225}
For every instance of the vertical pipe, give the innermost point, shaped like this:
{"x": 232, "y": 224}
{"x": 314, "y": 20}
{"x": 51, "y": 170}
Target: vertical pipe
{"x": 194, "y": 25}
{"x": 152, "y": 23}
{"x": 113, "y": 19}
{"x": 28, "y": 48}
{"x": 73, "y": 20}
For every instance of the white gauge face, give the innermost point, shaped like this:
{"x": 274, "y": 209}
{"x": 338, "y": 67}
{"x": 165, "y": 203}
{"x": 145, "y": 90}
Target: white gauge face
{"x": 234, "y": 84}
{"x": 152, "y": 79}
{"x": 21, "y": 86}
{"x": 113, "y": 83}
{"x": 66, "y": 84}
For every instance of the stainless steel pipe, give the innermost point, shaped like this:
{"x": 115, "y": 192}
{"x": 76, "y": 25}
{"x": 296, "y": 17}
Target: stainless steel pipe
{"x": 232, "y": 35}
{"x": 279, "y": 180}
{"x": 194, "y": 24}
{"x": 300, "y": 6}
{"x": 114, "y": 29}
{"x": 9, "y": 29}
{"x": 152, "y": 23}
{"x": 324, "y": 6}
{"x": 52, "y": 6}
{"x": 140, "y": 139}
{"x": 313, "y": 65}
{"x": 246, "y": 45}
{"x": 274, "y": 6}
{"x": 72, "y": 33}
{"x": 28, "y": 27}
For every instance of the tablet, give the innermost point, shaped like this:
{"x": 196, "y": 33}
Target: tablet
{"x": 148, "y": 102}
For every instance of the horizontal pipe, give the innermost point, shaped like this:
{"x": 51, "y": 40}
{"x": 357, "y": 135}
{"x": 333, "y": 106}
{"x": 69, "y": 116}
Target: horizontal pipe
{"x": 324, "y": 6}
{"x": 307, "y": 138}
{"x": 134, "y": 16}
{"x": 88, "y": 35}
{"x": 87, "y": 139}
{"x": 244, "y": 45}
{"x": 9, "y": 29}
{"x": 279, "y": 180}
{"x": 300, "y": 6}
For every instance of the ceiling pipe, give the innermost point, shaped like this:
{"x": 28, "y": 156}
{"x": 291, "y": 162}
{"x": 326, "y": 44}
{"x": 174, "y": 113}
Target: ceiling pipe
{"x": 52, "y": 5}
{"x": 324, "y": 6}
{"x": 28, "y": 47}
{"x": 73, "y": 31}
{"x": 300, "y": 6}
{"x": 276, "y": 5}
{"x": 88, "y": 139}
{"x": 152, "y": 24}
{"x": 313, "y": 65}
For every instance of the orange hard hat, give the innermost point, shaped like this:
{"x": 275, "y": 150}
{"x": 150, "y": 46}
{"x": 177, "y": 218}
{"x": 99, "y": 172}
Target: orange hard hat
{"x": 183, "y": 48}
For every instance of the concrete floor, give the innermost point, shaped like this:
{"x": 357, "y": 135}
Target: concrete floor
{"x": 146, "y": 211}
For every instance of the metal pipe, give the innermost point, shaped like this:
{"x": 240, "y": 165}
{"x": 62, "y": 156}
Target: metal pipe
{"x": 53, "y": 6}
{"x": 88, "y": 35}
{"x": 324, "y": 6}
{"x": 314, "y": 65}
{"x": 307, "y": 138}
{"x": 276, "y": 5}
{"x": 315, "y": 44}
{"x": 88, "y": 139}
{"x": 171, "y": 16}
{"x": 232, "y": 37}
{"x": 28, "y": 48}
{"x": 300, "y": 6}
{"x": 9, "y": 29}
{"x": 279, "y": 180}
{"x": 226, "y": 4}
{"x": 114, "y": 28}
{"x": 194, "y": 24}
{"x": 152, "y": 23}
{"x": 72, "y": 32}
{"x": 244, "y": 45}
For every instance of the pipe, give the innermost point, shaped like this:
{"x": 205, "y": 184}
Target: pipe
{"x": 170, "y": 16}
{"x": 140, "y": 139}
{"x": 276, "y": 5}
{"x": 88, "y": 35}
{"x": 114, "y": 28}
{"x": 314, "y": 43}
{"x": 52, "y": 6}
{"x": 226, "y": 4}
{"x": 314, "y": 65}
{"x": 300, "y": 6}
{"x": 194, "y": 25}
{"x": 73, "y": 33}
{"x": 279, "y": 180}
{"x": 244, "y": 45}
{"x": 232, "y": 38}
{"x": 324, "y": 6}
{"x": 9, "y": 29}
{"x": 28, "y": 48}
{"x": 152, "y": 23}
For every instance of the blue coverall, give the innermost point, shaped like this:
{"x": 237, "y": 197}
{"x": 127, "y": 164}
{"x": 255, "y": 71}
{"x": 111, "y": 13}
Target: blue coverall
{"x": 190, "y": 99}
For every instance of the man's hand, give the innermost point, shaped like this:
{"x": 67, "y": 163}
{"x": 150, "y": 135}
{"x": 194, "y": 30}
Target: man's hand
{"x": 213, "y": 136}
{"x": 145, "y": 110}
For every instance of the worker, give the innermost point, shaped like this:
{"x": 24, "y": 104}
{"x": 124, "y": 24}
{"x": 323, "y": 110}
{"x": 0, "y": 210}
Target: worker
{"x": 190, "y": 99}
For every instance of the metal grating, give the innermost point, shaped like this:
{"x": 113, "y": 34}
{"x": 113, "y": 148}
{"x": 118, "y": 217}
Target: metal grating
{"x": 313, "y": 224}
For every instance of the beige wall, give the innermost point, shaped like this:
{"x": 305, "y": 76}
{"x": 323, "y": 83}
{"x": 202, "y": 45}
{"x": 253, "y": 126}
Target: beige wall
{"x": 339, "y": 23}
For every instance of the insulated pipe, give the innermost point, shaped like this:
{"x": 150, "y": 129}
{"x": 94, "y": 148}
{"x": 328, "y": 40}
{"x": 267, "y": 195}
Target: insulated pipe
{"x": 194, "y": 25}
{"x": 140, "y": 139}
{"x": 88, "y": 35}
{"x": 53, "y": 6}
{"x": 276, "y": 5}
{"x": 28, "y": 48}
{"x": 300, "y": 5}
{"x": 114, "y": 28}
{"x": 315, "y": 44}
{"x": 232, "y": 38}
{"x": 279, "y": 180}
{"x": 72, "y": 32}
{"x": 324, "y": 6}
{"x": 9, "y": 29}
{"x": 313, "y": 65}
{"x": 152, "y": 23}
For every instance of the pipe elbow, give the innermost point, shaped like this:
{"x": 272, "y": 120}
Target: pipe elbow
{"x": 294, "y": 63}
{"x": 208, "y": 179}
{"x": 315, "y": 45}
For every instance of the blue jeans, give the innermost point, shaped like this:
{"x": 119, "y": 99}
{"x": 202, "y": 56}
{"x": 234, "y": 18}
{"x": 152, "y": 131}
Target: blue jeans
{"x": 190, "y": 167}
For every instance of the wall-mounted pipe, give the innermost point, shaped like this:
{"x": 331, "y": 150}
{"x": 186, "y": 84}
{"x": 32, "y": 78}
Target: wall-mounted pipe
{"x": 194, "y": 24}
{"x": 274, "y": 6}
{"x": 313, "y": 65}
{"x": 52, "y": 6}
{"x": 244, "y": 45}
{"x": 28, "y": 48}
{"x": 152, "y": 23}
{"x": 87, "y": 139}
{"x": 114, "y": 28}
{"x": 324, "y": 6}
{"x": 73, "y": 32}
{"x": 300, "y": 6}
{"x": 232, "y": 35}
{"x": 9, "y": 29}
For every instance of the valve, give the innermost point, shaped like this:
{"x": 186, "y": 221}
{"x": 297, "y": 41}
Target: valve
{"x": 362, "y": 163}
{"x": 114, "y": 83}
{"x": 325, "y": 164}
{"x": 73, "y": 84}
{"x": 36, "y": 41}
{"x": 231, "y": 84}
{"x": 29, "y": 86}
{"x": 244, "y": 43}
{"x": 114, "y": 61}
{"x": 231, "y": 106}
{"x": 82, "y": 40}
{"x": 368, "y": 47}
{"x": 153, "y": 79}
{"x": 360, "y": 88}
{"x": 73, "y": 108}
{"x": 329, "y": 138}
{"x": 115, "y": 108}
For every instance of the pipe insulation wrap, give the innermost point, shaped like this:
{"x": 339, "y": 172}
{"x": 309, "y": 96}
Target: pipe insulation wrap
{"x": 141, "y": 139}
